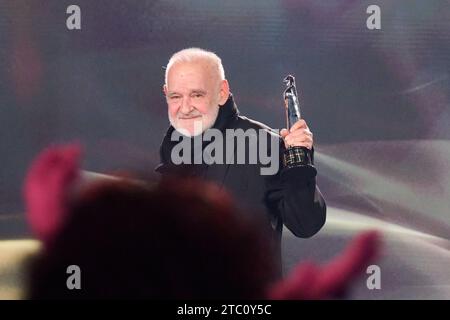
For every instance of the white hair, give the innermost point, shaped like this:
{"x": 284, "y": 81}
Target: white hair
{"x": 196, "y": 54}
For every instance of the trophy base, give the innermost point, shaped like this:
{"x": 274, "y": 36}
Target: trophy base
{"x": 299, "y": 157}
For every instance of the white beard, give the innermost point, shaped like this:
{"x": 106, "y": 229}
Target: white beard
{"x": 200, "y": 125}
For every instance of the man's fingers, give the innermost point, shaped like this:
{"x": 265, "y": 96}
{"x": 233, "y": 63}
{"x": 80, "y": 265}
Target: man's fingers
{"x": 298, "y": 125}
{"x": 301, "y": 140}
{"x": 300, "y": 136}
{"x": 301, "y": 132}
{"x": 294, "y": 141}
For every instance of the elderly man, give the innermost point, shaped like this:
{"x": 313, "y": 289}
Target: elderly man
{"x": 199, "y": 101}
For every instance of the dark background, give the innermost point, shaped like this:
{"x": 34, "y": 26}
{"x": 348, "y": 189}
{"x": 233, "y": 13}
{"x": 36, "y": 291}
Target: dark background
{"x": 365, "y": 93}
{"x": 377, "y": 101}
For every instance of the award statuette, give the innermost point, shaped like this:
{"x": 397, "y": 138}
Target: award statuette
{"x": 295, "y": 156}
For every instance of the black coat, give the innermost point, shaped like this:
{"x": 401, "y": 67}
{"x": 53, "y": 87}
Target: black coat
{"x": 289, "y": 197}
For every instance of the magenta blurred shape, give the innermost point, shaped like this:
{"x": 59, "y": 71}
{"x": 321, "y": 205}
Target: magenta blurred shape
{"x": 47, "y": 188}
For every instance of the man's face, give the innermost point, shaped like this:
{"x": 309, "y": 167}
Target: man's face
{"x": 194, "y": 93}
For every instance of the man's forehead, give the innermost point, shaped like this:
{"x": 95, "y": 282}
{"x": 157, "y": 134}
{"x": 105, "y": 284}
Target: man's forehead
{"x": 200, "y": 68}
{"x": 188, "y": 83}
{"x": 189, "y": 90}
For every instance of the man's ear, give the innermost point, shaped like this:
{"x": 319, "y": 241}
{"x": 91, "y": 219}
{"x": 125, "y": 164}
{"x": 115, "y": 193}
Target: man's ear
{"x": 164, "y": 87}
{"x": 224, "y": 92}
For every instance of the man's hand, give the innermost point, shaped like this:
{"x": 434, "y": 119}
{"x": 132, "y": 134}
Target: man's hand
{"x": 298, "y": 136}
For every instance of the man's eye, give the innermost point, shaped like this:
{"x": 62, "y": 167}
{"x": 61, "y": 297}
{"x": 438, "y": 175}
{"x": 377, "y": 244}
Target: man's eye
{"x": 197, "y": 95}
{"x": 174, "y": 97}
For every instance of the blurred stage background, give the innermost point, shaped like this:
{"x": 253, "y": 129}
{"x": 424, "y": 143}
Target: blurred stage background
{"x": 377, "y": 101}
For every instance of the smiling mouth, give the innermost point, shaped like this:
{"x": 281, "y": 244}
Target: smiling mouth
{"x": 189, "y": 118}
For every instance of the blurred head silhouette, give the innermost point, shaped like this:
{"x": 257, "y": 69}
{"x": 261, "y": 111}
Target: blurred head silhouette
{"x": 179, "y": 239}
